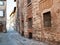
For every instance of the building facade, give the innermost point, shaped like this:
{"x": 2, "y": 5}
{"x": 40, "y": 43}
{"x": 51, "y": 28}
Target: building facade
{"x": 3, "y": 16}
{"x": 39, "y": 19}
{"x": 46, "y": 20}
{"x": 13, "y": 19}
{"x": 17, "y": 16}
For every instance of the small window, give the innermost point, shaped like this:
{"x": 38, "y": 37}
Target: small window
{"x": 30, "y": 23}
{"x": 14, "y": 9}
{"x": 22, "y": 24}
{"x": 1, "y": 3}
{"x": 1, "y": 14}
{"x": 47, "y": 19}
{"x": 28, "y": 1}
{"x": 14, "y": 0}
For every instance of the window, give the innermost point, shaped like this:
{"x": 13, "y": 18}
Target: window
{"x": 28, "y": 1}
{"x": 1, "y": 13}
{"x": 30, "y": 23}
{"x": 14, "y": 0}
{"x": 47, "y": 19}
{"x": 22, "y": 17}
{"x": 14, "y": 9}
{"x": 1, "y": 3}
{"x": 22, "y": 24}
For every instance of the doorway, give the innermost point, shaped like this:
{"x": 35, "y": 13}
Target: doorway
{"x": 30, "y": 35}
{"x": 22, "y": 33}
{"x": 1, "y": 27}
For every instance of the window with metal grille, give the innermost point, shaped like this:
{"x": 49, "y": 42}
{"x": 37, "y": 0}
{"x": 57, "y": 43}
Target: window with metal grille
{"x": 29, "y": 22}
{"x": 47, "y": 19}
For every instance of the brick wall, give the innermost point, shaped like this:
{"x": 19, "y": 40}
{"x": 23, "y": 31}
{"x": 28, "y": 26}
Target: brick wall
{"x": 39, "y": 7}
{"x": 39, "y": 31}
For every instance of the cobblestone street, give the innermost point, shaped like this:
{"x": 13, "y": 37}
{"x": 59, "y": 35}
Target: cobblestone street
{"x": 13, "y": 38}
{"x": 8, "y": 39}
{"x": 29, "y": 22}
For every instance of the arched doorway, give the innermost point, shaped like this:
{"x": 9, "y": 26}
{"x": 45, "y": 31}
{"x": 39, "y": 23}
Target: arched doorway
{"x": 1, "y": 27}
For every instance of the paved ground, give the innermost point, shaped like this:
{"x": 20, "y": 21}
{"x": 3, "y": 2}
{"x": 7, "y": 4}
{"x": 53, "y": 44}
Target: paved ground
{"x": 8, "y": 39}
{"x": 13, "y": 38}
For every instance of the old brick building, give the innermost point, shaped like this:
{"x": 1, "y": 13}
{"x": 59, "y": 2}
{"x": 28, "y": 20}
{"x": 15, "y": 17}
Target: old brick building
{"x": 3, "y": 16}
{"x": 46, "y": 20}
{"x": 24, "y": 9}
{"x": 40, "y": 19}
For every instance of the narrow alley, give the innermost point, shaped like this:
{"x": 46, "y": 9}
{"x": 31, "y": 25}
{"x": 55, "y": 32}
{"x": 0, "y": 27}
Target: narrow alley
{"x": 29, "y": 22}
{"x": 14, "y": 38}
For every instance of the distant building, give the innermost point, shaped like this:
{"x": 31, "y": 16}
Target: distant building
{"x": 13, "y": 19}
{"x": 3, "y": 15}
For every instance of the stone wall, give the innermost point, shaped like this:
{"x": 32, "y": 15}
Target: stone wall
{"x": 39, "y": 31}
{"x": 39, "y": 7}
{"x": 23, "y": 11}
{"x": 36, "y": 19}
